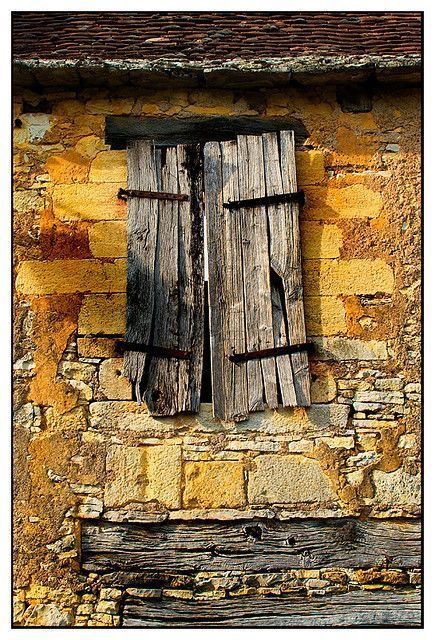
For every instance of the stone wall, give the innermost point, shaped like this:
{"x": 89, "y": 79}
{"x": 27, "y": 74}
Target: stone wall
{"x": 85, "y": 450}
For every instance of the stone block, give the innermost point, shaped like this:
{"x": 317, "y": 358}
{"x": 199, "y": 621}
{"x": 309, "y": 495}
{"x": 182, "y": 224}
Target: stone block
{"x": 143, "y": 474}
{"x": 213, "y": 485}
{"x": 97, "y": 347}
{"x": 290, "y": 479}
{"x": 103, "y": 314}
{"x": 397, "y": 489}
{"x": 112, "y": 382}
{"x": 349, "y": 349}
{"x": 323, "y": 386}
{"x": 48, "y": 615}
{"x": 109, "y": 166}
{"x": 310, "y": 167}
{"x": 320, "y": 240}
{"x": 38, "y": 277}
{"x": 88, "y": 202}
{"x": 384, "y": 397}
{"x": 67, "y": 167}
{"x": 108, "y": 239}
{"x": 347, "y": 277}
{"x": 353, "y": 201}
{"x": 324, "y": 315}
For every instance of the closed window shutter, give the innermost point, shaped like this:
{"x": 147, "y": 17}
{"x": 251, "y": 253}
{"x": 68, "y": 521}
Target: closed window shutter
{"x": 164, "y": 335}
{"x": 255, "y": 276}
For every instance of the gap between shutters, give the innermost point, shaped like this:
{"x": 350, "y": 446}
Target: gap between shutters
{"x": 257, "y": 330}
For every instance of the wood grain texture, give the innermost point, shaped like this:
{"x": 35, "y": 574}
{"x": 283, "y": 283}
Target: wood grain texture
{"x": 251, "y": 546}
{"x": 292, "y": 276}
{"x": 355, "y": 608}
{"x": 255, "y": 275}
{"x": 168, "y": 310}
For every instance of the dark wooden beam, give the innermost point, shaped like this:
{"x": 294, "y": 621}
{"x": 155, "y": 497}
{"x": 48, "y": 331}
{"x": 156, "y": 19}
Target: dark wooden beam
{"x": 399, "y": 608}
{"x": 251, "y": 545}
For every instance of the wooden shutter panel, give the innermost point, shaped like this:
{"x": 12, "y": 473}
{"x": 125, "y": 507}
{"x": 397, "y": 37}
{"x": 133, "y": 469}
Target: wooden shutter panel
{"x": 255, "y": 276}
{"x": 164, "y": 278}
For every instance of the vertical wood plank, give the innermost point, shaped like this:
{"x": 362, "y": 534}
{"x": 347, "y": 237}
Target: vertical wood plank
{"x": 216, "y": 268}
{"x": 279, "y": 216}
{"x": 161, "y": 393}
{"x": 235, "y": 375}
{"x": 142, "y": 236}
{"x": 293, "y": 280}
{"x": 256, "y": 269}
{"x": 191, "y": 277}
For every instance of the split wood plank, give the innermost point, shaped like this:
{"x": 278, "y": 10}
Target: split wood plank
{"x": 161, "y": 394}
{"x": 251, "y": 545}
{"x": 293, "y": 274}
{"x": 256, "y": 274}
{"x": 398, "y": 608}
{"x": 142, "y": 225}
{"x": 190, "y": 277}
{"x": 280, "y": 221}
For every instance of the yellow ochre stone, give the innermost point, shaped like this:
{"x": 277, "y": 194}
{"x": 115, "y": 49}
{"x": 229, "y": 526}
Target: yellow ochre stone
{"x": 320, "y": 240}
{"x": 96, "y": 201}
{"x": 214, "y": 485}
{"x": 109, "y": 166}
{"x": 324, "y": 315}
{"x": 143, "y": 474}
{"x": 310, "y": 167}
{"x": 354, "y": 201}
{"x": 108, "y": 239}
{"x": 37, "y": 277}
{"x": 103, "y": 314}
{"x": 347, "y": 277}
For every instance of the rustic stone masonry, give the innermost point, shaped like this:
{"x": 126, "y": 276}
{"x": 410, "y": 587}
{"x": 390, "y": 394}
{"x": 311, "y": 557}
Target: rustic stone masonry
{"x": 85, "y": 452}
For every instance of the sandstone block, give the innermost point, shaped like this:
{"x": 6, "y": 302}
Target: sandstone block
{"x": 109, "y": 166}
{"x": 112, "y": 382}
{"x": 38, "y": 277}
{"x": 353, "y": 201}
{"x": 324, "y": 315}
{"x": 67, "y": 167}
{"x": 347, "y": 277}
{"x": 108, "y": 239}
{"x": 290, "y": 479}
{"x": 214, "y": 484}
{"x": 88, "y": 202}
{"x": 323, "y": 385}
{"x": 320, "y": 240}
{"x": 349, "y": 349}
{"x": 397, "y": 489}
{"x": 103, "y": 314}
{"x": 143, "y": 474}
{"x": 389, "y": 384}
{"x": 97, "y": 347}
{"x": 310, "y": 167}
{"x": 48, "y": 615}
{"x": 387, "y": 397}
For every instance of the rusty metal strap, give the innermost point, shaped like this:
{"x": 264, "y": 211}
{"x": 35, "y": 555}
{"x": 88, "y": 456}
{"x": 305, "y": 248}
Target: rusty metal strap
{"x": 123, "y": 194}
{"x": 159, "y": 352}
{"x": 296, "y": 196}
{"x": 274, "y": 351}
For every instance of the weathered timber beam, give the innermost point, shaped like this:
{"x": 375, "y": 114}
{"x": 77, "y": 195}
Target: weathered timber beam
{"x": 252, "y": 546}
{"x": 399, "y": 608}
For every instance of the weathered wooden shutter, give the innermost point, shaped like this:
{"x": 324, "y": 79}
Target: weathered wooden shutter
{"x": 164, "y": 336}
{"x": 255, "y": 278}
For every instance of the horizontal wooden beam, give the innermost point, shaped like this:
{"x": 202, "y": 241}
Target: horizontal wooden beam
{"x": 260, "y": 545}
{"x": 398, "y": 608}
